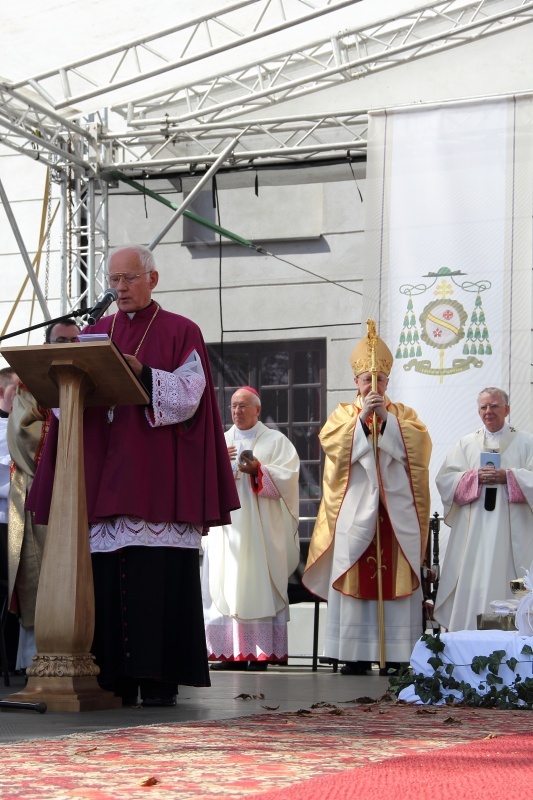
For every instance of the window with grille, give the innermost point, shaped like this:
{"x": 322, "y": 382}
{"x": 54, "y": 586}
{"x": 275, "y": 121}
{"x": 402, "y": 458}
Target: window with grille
{"x": 291, "y": 380}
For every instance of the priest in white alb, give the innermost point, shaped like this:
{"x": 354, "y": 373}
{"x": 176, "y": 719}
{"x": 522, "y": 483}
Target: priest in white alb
{"x": 246, "y": 565}
{"x": 486, "y": 486}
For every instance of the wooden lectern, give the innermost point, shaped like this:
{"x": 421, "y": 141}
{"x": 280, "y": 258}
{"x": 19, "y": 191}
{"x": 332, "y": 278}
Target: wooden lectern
{"x": 71, "y": 377}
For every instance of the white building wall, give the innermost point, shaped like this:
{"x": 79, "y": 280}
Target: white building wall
{"x": 263, "y": 298}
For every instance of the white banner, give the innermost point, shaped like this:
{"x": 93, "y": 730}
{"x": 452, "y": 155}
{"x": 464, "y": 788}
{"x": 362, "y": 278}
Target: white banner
{"x": 449, "y": 255}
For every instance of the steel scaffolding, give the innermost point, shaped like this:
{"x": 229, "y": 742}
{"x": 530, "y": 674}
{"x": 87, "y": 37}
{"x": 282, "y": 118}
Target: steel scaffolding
{"x": 79, "y": 121}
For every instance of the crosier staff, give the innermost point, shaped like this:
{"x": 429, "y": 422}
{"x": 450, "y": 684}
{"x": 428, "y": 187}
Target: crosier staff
{"x": 373, "y": 341}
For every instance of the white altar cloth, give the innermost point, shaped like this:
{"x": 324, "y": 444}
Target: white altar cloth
{"x": 461, "y": 647}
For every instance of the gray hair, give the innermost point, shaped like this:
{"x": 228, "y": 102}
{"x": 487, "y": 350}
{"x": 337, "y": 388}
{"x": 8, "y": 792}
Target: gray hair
{"x": 145, "y": 256}
{"x": 492, "y": 390}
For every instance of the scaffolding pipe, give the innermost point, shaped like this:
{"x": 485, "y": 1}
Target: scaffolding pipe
{"x": 223, "y": 47}
{"x": 213, "y": 169}
{"x": 65, "y": 242}
{"x": 91, "y": 261}
{"x": 189, "y": 214}
{"x": 24, "y": 253}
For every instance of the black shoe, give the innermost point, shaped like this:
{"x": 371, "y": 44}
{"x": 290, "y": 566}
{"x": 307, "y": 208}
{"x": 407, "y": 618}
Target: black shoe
{"x": 130, "y": 701}
{"x": 154, "y": 702}
{"x": 126, "y": 689}
{"x": 156, "y": 692}
{"x": 355, "y": 668}
{"x": 230, "y": 665}
{"x": 257, "y": 666}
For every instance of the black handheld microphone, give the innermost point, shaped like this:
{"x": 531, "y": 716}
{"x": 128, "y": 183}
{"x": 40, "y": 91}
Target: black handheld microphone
{"x": 102, "y": 305}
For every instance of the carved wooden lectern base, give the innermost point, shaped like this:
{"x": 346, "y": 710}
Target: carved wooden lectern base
{"x": 66, "y": 683}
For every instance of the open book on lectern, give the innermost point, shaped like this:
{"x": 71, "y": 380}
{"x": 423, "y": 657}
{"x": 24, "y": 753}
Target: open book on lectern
{"x": 86, "y": 338}
{"x": 114, "y": 381}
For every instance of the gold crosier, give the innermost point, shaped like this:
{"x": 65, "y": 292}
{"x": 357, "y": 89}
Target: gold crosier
{"x": 373, "y": 342}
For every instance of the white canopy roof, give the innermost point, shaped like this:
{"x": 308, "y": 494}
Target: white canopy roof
{"x": 149, "y": 88}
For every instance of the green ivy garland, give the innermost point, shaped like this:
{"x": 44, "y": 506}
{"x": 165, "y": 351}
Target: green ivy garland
{"x": 492, "y": 692}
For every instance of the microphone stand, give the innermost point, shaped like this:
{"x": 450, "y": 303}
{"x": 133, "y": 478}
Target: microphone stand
{"x": 79, "y": 312}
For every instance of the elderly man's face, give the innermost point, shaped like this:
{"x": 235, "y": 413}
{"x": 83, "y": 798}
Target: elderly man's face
{"x": 244, "y": 412}
{"x": 492, "y": 411}
{"x": 134, "y": 293}
{"x": 364, "y": 383}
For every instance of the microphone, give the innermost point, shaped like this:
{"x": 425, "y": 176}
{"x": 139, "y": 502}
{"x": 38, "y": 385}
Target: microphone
{"x": 102, "y": 305}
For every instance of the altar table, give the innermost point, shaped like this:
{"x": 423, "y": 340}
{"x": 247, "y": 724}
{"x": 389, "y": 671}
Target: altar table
{"x": 461, "y": 647}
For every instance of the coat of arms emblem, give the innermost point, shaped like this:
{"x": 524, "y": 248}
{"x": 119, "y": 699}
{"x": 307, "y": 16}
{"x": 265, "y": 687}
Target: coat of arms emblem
{"x": 443, "y": 325}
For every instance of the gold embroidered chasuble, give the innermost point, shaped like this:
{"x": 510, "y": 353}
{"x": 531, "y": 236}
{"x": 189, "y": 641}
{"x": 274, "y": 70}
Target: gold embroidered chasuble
{"x": 337, "y": 441}
{"x": 26, "y": 433}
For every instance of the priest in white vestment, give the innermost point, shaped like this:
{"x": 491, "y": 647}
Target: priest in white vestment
{"x": 490, "y": 512}
{"x": 247, "y": 564}
{"x": 358, "y": 487}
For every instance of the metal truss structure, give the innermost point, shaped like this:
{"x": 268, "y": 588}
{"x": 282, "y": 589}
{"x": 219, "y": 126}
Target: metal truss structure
{"x": 153, "y": 55}
{"x": 84, "y": 123}
{"x": 182, "y": 124}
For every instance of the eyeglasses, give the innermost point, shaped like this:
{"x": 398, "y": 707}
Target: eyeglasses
{"x": 128, "y": 277}
{"x": 64, "y": 340}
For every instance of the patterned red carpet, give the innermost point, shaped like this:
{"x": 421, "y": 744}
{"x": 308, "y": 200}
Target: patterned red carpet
{"x": 327, "y": 752}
